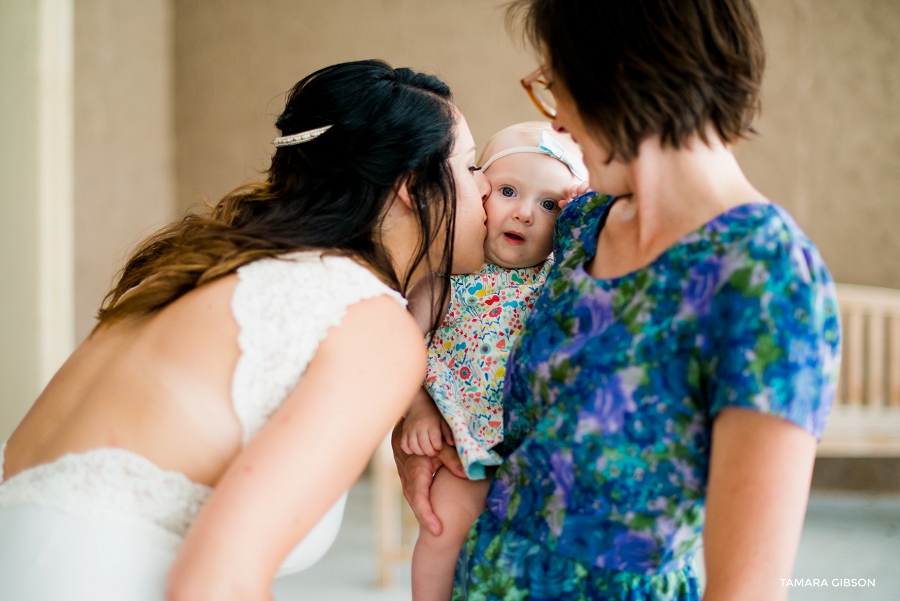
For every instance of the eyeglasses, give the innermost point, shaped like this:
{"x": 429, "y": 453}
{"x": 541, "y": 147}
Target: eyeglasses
{"x": 538, "y": 89}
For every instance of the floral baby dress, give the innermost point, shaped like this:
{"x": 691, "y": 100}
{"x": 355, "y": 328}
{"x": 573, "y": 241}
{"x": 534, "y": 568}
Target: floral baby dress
{"x": 468, "y": 351}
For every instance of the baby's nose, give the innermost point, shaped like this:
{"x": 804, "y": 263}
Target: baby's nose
{"x": 524, "y": 212}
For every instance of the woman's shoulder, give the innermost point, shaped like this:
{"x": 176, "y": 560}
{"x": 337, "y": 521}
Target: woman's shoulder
{"x": 312, "y": 274}
{"x": 773, "y": 321}
{"x": 286, "y": 306}
{"x": 763, "y": 236}
{"x": 299, "y": 295}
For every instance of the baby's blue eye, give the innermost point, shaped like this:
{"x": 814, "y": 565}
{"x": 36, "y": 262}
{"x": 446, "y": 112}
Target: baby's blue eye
{"x": 507, "y": 191}
{"x": 549, "y": 205}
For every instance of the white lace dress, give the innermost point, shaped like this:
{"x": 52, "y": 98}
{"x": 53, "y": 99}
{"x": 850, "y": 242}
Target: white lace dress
{"x": 105, "y": 524}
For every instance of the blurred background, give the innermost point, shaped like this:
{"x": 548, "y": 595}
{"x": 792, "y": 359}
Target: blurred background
{"x": 116, "y": 116}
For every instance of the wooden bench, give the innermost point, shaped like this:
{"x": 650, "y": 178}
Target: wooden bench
{"x": 865, "y": 417}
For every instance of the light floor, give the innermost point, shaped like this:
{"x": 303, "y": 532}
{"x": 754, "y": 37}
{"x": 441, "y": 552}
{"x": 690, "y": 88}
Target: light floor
{"x": 348, "y": 570}
{"x": 845, "y": 536}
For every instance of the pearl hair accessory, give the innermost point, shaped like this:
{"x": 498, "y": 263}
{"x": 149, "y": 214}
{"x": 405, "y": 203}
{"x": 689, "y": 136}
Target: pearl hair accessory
{"x": 300, "y": 138}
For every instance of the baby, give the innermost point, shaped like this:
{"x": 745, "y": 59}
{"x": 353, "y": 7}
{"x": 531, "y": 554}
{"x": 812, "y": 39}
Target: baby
{"x": 531, "y": 169}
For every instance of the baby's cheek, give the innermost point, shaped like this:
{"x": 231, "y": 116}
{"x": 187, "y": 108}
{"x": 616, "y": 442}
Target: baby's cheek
{"x": 491, "y": 207}
{"x": 544, "y": 237}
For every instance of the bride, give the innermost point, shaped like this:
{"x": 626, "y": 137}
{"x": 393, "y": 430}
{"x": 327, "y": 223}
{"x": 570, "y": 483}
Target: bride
{"x": 248, "y": 361}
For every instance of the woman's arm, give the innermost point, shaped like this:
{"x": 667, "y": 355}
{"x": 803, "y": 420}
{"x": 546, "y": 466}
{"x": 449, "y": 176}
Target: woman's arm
{"x": 313, "y": 448}
{"x": 759, "y": 478}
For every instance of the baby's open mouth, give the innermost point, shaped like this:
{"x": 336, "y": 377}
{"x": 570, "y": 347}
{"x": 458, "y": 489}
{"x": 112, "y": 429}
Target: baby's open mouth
{"x": 514, "y": 238}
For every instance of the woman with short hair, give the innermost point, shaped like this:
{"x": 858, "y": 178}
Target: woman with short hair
{"x": 679, "y": 365}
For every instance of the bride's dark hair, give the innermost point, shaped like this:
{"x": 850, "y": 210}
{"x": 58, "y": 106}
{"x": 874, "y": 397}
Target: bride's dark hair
{"x": 389, "y": 126}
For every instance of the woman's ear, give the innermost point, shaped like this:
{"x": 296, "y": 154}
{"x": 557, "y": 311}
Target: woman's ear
{"x": 403, "y": 195}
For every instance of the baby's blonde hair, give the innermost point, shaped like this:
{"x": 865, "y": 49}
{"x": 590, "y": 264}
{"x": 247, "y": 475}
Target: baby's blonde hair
{"x": 527, "y": 133}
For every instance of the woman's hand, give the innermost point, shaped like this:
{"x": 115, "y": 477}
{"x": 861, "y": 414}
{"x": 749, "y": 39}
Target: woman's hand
{"x": 759, "y": 478}
{"x": 424, "y": 430}
{"x": 417, "y": 474}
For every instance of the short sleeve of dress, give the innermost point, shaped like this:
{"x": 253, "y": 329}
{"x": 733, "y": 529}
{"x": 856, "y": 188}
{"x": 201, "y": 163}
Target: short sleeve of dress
{"x": 771, "y": 340}
{"x": 284, "y": 308}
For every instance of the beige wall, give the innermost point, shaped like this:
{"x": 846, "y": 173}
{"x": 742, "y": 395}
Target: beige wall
{"x": 830, "y": 144}
{"x": 235, "y": 59}
{"x": 36, "y": 275}
{"x": 107, "y": 69}
{"x": 19, "y": 368}
{"x": 202, "y": 81}
{"x": 124, "y": 138}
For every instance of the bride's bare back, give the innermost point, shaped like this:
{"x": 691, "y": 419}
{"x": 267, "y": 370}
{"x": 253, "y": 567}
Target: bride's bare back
{"x": 157, "y": 385}
{"x": 282, "y": 424}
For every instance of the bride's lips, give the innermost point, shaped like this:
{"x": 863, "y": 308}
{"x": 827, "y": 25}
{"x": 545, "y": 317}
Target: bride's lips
{"x": 514, "y": 238}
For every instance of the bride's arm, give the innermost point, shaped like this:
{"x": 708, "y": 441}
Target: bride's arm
{"x": 359, "y": 383}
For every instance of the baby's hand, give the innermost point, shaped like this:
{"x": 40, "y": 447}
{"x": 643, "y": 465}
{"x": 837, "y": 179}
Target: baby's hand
{"x": 424, "y": 429}
{"x": 574, "y": 192}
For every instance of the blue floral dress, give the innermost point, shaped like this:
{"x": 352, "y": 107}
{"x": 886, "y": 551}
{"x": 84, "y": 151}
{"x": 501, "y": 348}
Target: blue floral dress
{"x": 611, "y": 393}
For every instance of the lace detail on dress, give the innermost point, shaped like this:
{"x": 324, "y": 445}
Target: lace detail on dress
{"x": 110, "y": 485}
{"x": 284, "y": 308}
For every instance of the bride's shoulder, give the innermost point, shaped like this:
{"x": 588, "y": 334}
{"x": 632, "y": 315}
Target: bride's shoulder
{"x": 307, "y": 292}
{"x": 310, "y": 276}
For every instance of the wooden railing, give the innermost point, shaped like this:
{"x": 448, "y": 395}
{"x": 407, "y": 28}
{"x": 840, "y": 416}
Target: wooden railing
{"x": 865, "y": 417}
{"x": 395, "y": 525}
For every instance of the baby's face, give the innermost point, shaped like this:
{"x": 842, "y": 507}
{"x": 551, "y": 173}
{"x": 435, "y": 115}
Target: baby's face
{"x": 521, "y": 211}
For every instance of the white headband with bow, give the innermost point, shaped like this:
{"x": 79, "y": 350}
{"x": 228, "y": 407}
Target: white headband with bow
{"x": 549, "y": 146}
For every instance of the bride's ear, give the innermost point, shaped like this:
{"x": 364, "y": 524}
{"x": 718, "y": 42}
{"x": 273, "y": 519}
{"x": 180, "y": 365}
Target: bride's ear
{"x": 401, "y": 203}
{"x": 402, "y": 193}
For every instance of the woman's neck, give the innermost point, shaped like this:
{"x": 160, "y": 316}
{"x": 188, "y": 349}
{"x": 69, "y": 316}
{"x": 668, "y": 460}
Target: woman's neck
{"x": 672, "y": 193}
{"x": 400, "y": 236}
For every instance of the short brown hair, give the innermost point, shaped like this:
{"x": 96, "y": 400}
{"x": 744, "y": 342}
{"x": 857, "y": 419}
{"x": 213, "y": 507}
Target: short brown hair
{"x": 637, "y": 68}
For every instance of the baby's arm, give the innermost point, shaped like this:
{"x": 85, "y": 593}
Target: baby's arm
{"x": 424, "y": 430}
